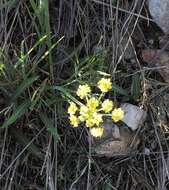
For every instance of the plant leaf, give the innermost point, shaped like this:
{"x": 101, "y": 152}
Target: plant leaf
{"x": 24, "y": 84}
{"x": 119, "y": 90}
{"x": 23, "y": 140}
{"x": 135, "y": 87}
{"x": 67, "y": 94}
{"x": 39, "y": 93}
{"x": 17, "y": 114}
{"x": 49, "y": 125}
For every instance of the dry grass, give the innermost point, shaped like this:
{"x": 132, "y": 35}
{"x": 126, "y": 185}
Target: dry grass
{"x": 39, "y": 150}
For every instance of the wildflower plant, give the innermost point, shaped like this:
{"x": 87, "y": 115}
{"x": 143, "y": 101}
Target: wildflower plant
{"x": 94, "y": 108}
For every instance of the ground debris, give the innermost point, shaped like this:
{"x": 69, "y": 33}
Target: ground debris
{"x": 159, "y": 59}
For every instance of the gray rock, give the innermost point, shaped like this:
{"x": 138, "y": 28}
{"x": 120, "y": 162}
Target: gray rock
{"x": 116, "y": 141}
{"x": 134, "y": 116}
{"x": 159, "y": 10}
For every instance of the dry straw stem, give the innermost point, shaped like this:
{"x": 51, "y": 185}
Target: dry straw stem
{"x": 53, "y": 71}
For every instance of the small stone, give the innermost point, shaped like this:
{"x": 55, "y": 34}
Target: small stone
{"x": 115, "y": 141}
{"x": 134, "y": 116}
{"x": 146, "y": 151}
{"x": 159, "y": 11}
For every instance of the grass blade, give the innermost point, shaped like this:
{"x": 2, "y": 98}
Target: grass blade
{"x": 135, "y": 87}
{"x": 119, "y": 90}
{"x": 67, "y": 94}
{"x": 23, "y": 140}
{"x": 17, "y": 114}
{"x": 39, "y": 93}
{"x": 49, "y": 125}
{"x": 24, "y": 84}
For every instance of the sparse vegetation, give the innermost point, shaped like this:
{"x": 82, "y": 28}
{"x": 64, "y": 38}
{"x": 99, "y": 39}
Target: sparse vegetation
{"x": 48, "y": 48}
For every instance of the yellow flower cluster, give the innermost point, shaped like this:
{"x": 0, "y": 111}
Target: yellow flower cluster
{"x": 83, "y": 90}
{"x": 72, "y": 108}
{"x": 104, "y": 84}
{"x": 74, "y": 120}
{"x": 97, "y": 131}
{"x": 92, "y": 110}
{"x": 107, "y": 106}
{"x": 117, "y": 114}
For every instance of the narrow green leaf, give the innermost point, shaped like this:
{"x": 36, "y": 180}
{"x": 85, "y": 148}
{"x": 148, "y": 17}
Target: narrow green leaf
{"x": 119, "y": 90}
{"x": 4, "y": 91}
{"x": 67, "y": 94}
{"x": 17, "y": 114}
{"x": 24, "y": 56}
{"x": 135, "y": 87}
{"x": 23, "y": 140}
{"x": 49, "y": 125}
{"x": 41, "y": 58}
{"x": 41, "y": 90}
{"x": 24, "y": 84}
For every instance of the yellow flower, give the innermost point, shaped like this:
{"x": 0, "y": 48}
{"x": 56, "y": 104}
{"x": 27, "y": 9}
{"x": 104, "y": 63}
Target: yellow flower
{"x": 74, "y": 120}
{"x": 107, "y": 106}
{"x": 90, "y": 122}
{"x": 97, "y": 118}
{"x": 84, "y": 113}
{"x": 72, "y": 108}
{"x": 81, "y": 118}
{"x": 117, "y": 114}
{"x": 104, "y": 84}
{"x": 83, "y": 90}
{"x": 92, "y": 103}
{"x": 96, "y": 131}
